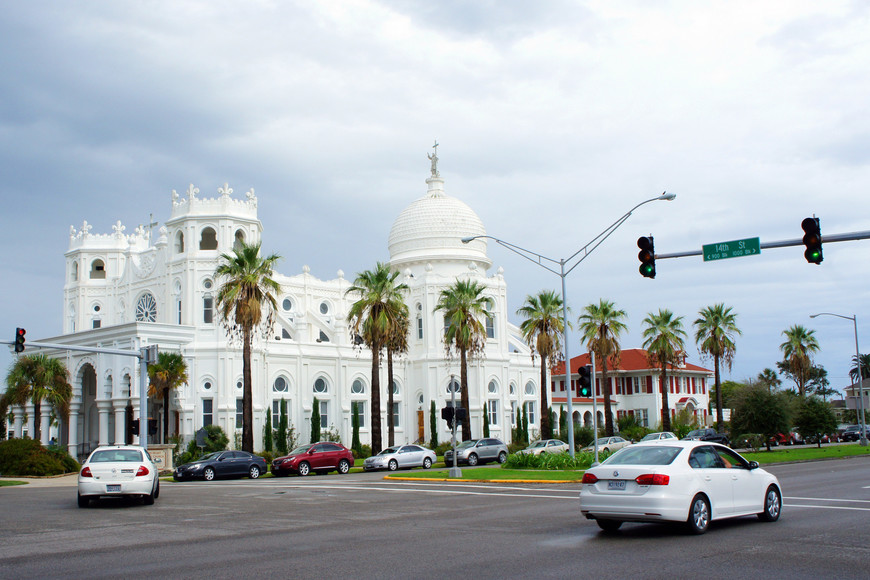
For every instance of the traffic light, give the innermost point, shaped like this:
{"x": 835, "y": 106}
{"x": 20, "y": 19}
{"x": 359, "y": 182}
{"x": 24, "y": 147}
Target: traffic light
{"x": 19, "y": 339}
{"x": 134, "y": 426}
{"x": 647, "y": 256}
{"x": 584, "y": 381}
{"x": 152, "y": 426}
{"x": 461, "y": 414}
{"x": 447, "y": 415}
{"x": 812, "y": 240}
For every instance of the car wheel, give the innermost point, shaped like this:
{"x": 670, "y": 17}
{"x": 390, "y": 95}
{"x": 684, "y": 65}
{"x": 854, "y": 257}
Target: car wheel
{"x": 394, "y": 465}
{"x": 208, "y": 474}
{"x": 304, "y": 468}
{"x": 472, "y": 459}
{"x": 254, "y": 472}
{"x": 84, "y": 501}
{"x": 772, "y": 505}
{"x": 427, "y": 463}
{"x": 609, "y": 525}
{"x": 343, "y": 466}
{"x": 502, "y": 457}
{"x": 157, "y": 490}
{"x": 148, "y": 499}
{"x": 699, "y": 515}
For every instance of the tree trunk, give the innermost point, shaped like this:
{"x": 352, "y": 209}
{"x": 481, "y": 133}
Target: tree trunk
{"x": 165, "y": 416}
{"x": 546, "y": 428}
{"x": 391, "y": 427}
{"x": 463, "y": 388}
{"x": 719, "y": 415}
{"x": 376, "y": 402}
{"x": 666, "y": 411}
{"x": 608, "y": 415}
{"x": 247, "y": 395}
{"x": 37, "y": 420}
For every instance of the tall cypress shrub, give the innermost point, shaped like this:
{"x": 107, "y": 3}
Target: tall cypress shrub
{"x": 525, "y": 425}
{"x": 315, "y": 421}
{"x": 433, "y": 425}
{"x": 267, "y": 433}
{"x": 355, "y": 445}
{"x": 485, "y": 422}
{"x": 281, "y": 443}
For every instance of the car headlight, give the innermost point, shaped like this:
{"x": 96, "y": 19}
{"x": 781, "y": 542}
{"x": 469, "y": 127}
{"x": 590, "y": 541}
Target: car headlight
{"x": 196, "y": 466}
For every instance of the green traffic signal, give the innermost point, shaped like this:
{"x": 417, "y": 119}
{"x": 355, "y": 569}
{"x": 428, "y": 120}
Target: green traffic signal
{"x": 812, "y": 240}
{"x": 647, "y": 256}
{"x": 584, "y": 381}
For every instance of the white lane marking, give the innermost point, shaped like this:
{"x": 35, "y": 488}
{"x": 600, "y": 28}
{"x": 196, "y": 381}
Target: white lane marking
{"x": 826, "y": 507}
{"x": 829, "y": 499}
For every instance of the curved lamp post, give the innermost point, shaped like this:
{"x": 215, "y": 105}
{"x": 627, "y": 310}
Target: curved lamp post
{"x": 565, "y": 268}
{"x": 860, "y": 381}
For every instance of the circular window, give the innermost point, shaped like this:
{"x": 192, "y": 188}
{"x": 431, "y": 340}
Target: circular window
{"x": 146, "y": 308}
{"x": 287, "y": 305}
{"x": 395, "y": 388}
{"x": 530, "y": 388}
{"x": 493, "y": 387}
{"x": 239, "y": 385}
{"x": 419, "y": 308}
{"x": 96, "y": 307}
{"x": 207, "y": 284}
{"x": 513, "y": 389}
{"x": 207, "y": 386}
{"x": 358, "y": 387}
{"x": 453, "y": 387}
{"x": 319, "y": 386}
{"x": 280, "y": 385}
{"x": 420, "y": 399}
{"x": 324, "y": 308}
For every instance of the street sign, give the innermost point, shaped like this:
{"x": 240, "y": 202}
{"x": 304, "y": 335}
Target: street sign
{"x": 735, "y": 249}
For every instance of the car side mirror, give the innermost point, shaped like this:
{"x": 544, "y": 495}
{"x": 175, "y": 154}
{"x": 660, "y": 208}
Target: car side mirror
{"x": 753, "y": 465}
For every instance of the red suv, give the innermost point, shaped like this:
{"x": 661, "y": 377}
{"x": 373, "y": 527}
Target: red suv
{"x": 320, "y": 457}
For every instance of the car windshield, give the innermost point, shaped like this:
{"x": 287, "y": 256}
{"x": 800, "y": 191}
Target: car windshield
{"x": 389, "y": 450}
{"x": 694, "y": 433}
{"x": 643, "y": 455}
{"x": 112, "y": 455}
{"x": 210, "y": 456}
{"x": 467, "y": 444}
{"x": 651, "y": 437}
{"x": 301, "y": 449}
{"x": 537, "y": 444}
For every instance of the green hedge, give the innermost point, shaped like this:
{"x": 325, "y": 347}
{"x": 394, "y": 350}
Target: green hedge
{"x": 26, "y": 457}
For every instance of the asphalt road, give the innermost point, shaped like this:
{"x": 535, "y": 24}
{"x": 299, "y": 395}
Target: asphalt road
{"x": 359, "y": 525}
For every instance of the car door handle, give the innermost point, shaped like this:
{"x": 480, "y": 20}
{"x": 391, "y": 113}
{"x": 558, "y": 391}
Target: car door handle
{"x": 707, "y": 478}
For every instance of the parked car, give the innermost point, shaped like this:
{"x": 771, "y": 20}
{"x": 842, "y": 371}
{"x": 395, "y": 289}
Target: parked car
{"x": 401, "y": 456}
{"x": 792, "y": 438}
{"x": 660, "y": 436}
{"x": 118, "y": 470}
{"x": 695, "y": 482}
{"x": 222, "y": 464}
{"x": 609, "y": 444}
{"x": 546, "y": 446}
{"x": 853, "y": 433}
{"x": 321, "y": 457}
{"x": 826, "y": 438}
{"x": 707, "y": 435}
{"x": 477, "y": 451}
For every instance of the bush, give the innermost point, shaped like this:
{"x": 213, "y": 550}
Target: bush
{"x": 268, "y": 456}
{"x": 363, "y": 452}
{"x": 441, "y": 448}
{"x": 215, "y": 440}
{"x": 549, "y": 461}
{"x": 583, "y": 436}
{"x": 26, "y": 457}
{"x": 516, "y": 446}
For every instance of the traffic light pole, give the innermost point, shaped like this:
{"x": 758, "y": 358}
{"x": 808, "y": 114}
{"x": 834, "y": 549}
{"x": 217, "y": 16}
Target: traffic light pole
{"x": 826, "y": 239}
{"x": 454, "y": 470}
{"x": 145, "y": 354}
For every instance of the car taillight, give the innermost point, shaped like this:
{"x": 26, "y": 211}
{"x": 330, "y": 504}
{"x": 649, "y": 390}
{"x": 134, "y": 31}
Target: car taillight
{"x": 588, "y": 478}
{"x": 142, "y": 471}
{"x": 86, "y": 472}
{"x": 653, "y": 479}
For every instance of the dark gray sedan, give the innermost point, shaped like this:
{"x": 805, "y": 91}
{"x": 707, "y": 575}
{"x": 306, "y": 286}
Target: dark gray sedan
{"x": 222, "y": 464}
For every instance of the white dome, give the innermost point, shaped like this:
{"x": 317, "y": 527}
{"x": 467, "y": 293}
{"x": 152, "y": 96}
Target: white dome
{"x": 432, "y": 228}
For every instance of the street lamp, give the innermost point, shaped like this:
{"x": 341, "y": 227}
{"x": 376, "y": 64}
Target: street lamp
{"x": 565, "y": 268}
{"x": 861, "y": 422}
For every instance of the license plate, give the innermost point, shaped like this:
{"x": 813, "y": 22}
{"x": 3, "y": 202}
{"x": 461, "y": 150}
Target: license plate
{"x": 113, "y": 488}
{"x": 616, "y": 484}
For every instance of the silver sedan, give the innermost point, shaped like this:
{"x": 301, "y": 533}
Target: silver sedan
{"x": 401, "y": 456}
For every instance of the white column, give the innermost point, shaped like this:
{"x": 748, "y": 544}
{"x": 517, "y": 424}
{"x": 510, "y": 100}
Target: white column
{"x": 31, "y": 420}
{"x": 120, "y": 407}
{"x": 143, "y": 424}
{"x": 73, "y": 438}
{"x": 19, "y": 421}
{"x": 104, "y": 407}
{"x": 44, "y": 423}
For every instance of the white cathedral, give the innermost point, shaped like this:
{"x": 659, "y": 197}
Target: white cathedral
{"x": 124, "y": 292}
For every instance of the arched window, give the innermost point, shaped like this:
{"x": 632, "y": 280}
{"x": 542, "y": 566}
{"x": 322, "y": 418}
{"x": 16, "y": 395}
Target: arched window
{"x": 207, "y": 309}
{"x": 179, "y": 242}
{"x": 419, "y": 322}
{"x": 453, "y": 386}
{"x": 208, "y": 240}
{"x": 490, "y": 322}
{"x": 513, "y": 389}
{"x": 146, "y": 308}
{"x": 395, "y": 388}
{"x": 240, "y": 240}
{"x": 98, "y": 269}
{"x": 75, "y": 272}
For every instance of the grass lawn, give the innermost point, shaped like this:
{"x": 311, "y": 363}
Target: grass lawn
{"x": 8, "y": 482}
{"x": 779, "y": 455}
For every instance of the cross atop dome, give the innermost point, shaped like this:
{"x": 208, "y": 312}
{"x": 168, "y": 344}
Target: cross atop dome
{"x": 433, "y": 157}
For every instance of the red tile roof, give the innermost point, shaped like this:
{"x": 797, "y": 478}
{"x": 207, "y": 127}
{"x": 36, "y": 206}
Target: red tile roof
{"x": 633, "y": 359}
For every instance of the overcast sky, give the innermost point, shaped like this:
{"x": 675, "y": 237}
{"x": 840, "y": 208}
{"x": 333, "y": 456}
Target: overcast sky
{"x": 553, "y": 119}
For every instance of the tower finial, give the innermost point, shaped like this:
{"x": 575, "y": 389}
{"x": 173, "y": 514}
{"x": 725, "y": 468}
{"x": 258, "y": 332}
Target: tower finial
{"x": 433, "y": 157}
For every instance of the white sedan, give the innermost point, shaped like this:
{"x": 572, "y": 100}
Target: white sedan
{"x": 118, "y": 470}
{"x": 401, "y": 456}
{"x": 546, "y": 446}
{"x": 693, "y": 482}
{"x": 660, "y": 436}
{"x": 609, "y": 444}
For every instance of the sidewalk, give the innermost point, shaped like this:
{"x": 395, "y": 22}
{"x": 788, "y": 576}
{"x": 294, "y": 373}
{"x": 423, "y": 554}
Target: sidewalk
{"x": 69, "y": 480}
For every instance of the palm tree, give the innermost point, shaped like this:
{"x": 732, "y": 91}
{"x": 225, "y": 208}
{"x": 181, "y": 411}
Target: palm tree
{"x": 38, "y": 378}
{"x": 248, "y": 290}
{"x": 543, "y": 328}
{"x": 374, "y": 319}
{"x": 601, "y": 324}
{"x": 663, "y": 341}
{"x": 768, "y": 378}
{"x": 397, "y": 343}
{"x": 714, "y": 334}
{"x": 797, "y": 350}
{"x": 168, "y": 373}
{"x": 864, "y": 362}
{"x": 464, "y": 305}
